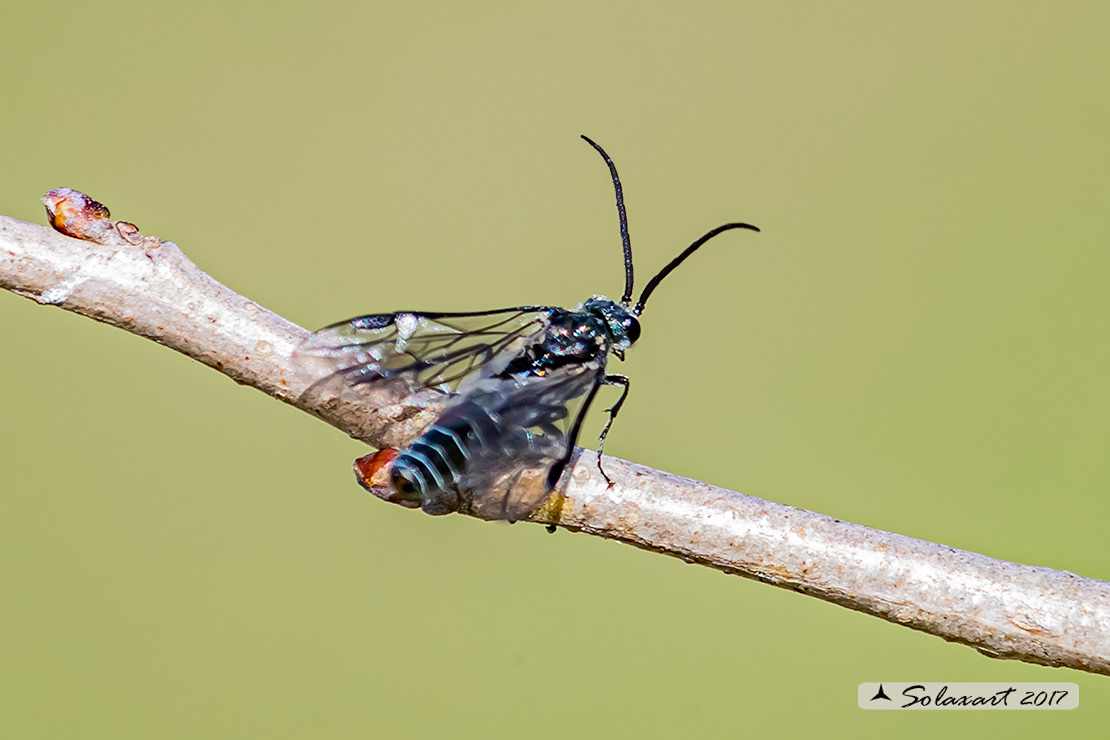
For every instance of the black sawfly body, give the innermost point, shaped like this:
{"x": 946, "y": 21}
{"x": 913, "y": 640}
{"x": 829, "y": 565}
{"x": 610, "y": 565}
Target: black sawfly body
{"x": 512, "y": 385}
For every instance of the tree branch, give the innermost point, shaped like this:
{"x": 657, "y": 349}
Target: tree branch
{"x": 1003, "y": 609}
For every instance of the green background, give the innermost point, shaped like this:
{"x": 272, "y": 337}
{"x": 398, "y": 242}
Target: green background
{"x": 917, "y": 342}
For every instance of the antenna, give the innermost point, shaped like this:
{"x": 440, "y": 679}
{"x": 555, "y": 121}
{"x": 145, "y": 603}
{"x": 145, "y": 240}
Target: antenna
{"x": 654, "y": 282}
{"x": 624, "y": 221}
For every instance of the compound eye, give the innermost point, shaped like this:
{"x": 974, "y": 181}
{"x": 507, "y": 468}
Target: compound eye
{"x": 632, "y": 329}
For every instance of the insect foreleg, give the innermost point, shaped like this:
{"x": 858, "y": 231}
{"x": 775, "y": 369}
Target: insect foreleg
{"x": 613, "y": 411}
{"x": 556, "y": 471}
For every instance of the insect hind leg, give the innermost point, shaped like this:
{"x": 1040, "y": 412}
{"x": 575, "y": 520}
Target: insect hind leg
{"x": 621, "y": 380}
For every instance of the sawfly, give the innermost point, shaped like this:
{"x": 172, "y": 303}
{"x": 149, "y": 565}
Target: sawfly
{"x": 511, "y": 385}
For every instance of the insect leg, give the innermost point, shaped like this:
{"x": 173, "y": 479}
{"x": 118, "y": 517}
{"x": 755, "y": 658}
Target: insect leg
{"x": 613, "y": 411}
{"x": 556, "y": 471}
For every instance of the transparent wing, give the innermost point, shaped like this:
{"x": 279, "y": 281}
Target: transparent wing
{"x": 510, "y": 477}
{"x": 414, "y": 358}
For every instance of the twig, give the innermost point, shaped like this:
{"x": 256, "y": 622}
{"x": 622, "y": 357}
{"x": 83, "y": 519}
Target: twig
{"x": 1003, "y": 609}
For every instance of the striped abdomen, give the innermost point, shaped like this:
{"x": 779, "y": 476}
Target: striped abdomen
{"x": 436, "y": 461}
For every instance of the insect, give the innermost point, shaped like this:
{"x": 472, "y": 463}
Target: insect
{"x": 510, "y": 386}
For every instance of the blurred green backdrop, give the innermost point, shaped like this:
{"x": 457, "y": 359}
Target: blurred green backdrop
{"x": 916, "y": 342}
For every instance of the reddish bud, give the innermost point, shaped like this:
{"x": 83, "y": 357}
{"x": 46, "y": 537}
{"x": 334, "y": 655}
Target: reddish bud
{"x": 75, "y": 214}
{"x": 372, "y": 471}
